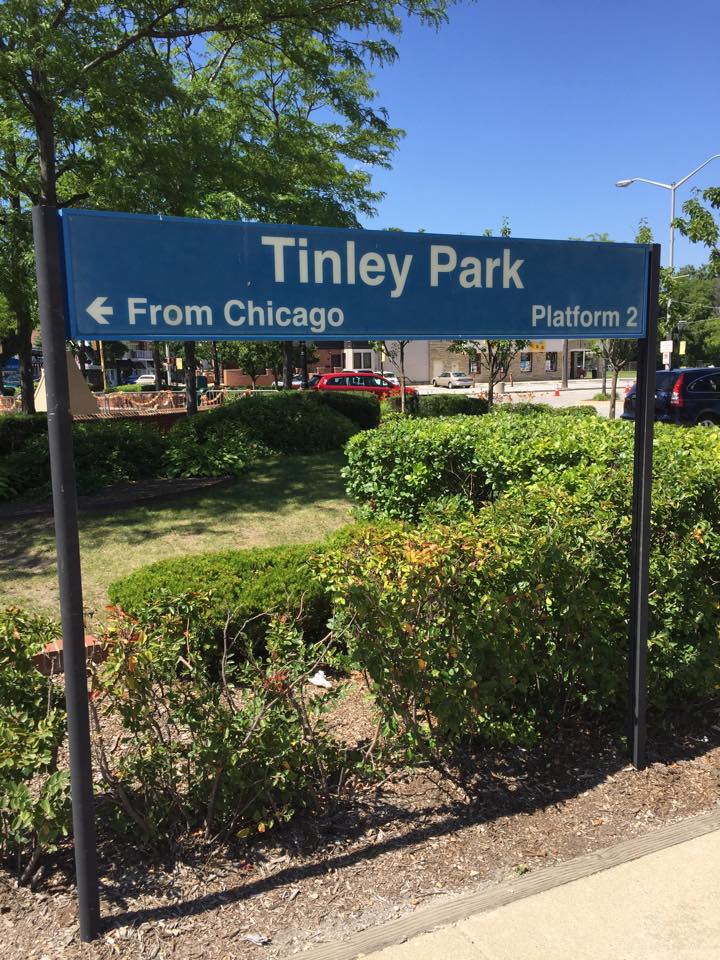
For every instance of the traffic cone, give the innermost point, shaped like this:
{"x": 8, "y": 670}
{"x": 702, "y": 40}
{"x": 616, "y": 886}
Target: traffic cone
{"x": 557, "y": 391}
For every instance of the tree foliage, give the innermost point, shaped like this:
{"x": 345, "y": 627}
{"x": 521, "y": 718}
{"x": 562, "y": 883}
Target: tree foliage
{"x": 700, "y": 223}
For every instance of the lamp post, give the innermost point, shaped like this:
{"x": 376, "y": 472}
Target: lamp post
{"x": 672, "y": 187}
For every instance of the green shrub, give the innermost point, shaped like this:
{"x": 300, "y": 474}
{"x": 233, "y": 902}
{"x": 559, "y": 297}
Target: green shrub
{"x": 225, "y": 449}
{"x": 575, "y": 411}
{"x": 288, "y": 421}
{"x": 445, "y": 405}
{"x": 362, "y": 409}
{"x": 242, "y": 589}
{"x": 398, "y": 470}
{"x": 236, "y": 754}
{"x": 522, "y": 409}
{"x": 106, "y": 452}
{"x": 496, "y": 625}
{"x": 115, "y": 451}
{"x": 34, "y": 797}
{"x": 17, "y": 429}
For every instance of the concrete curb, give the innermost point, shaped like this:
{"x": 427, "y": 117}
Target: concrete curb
{"x": 460, "y": 908}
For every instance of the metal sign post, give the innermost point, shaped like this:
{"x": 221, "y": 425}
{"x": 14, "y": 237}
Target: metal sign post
{"x": 124, "y": 277}
{"x": 640, "y": 540}
{"x": 51, "y": 303}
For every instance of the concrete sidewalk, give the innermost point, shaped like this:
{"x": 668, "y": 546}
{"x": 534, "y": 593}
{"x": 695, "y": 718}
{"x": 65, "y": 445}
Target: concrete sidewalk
{"x": 653, "y": 898}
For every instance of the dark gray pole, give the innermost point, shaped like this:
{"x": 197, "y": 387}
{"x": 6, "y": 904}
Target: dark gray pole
{"x": 640, "y": 542}
{"x": 51, "y": 301}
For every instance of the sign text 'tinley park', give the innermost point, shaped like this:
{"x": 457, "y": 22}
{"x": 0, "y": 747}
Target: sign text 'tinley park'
{"x": 156, "y": 278}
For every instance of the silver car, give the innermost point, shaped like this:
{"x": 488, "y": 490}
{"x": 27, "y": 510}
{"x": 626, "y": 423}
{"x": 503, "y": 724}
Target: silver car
{"x": 452, "y": 379}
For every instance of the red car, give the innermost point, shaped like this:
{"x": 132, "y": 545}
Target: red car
{"x": 352, "y": 380}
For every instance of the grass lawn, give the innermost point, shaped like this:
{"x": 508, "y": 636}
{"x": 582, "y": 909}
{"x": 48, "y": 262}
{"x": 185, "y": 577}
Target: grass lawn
{"x": 282, "y": 500}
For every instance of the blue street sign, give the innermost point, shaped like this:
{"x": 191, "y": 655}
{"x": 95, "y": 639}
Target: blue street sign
{"x": 135, "y": 277}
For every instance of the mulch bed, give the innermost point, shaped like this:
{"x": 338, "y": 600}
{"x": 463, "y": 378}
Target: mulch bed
{"x": 395, "y": 848}
{"x": 118, "y": 496}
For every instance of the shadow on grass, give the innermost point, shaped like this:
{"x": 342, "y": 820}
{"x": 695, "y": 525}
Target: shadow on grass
{"x": 276, "y": 487}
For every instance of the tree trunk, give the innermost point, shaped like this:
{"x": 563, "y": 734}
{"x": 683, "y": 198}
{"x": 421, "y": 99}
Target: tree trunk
{"x": 613, "y": 392}
{"x": 81, "y": 357}
{"x": 42, "y": 112}
{"x": 157, "y": 363}
{"x": 27, "y": 385}
{"x": 103, "y": 368}
{"x": 565, "y": 363}
{"x": 217, "y": 372}
{"x": 304, "y": 365}
{"x": 190, "y": 377}
{"x": 491, "y": 390}
{"x": 402, "y": 377}
{"x": 603, "y": 361}
{"x": 287, "y": 364}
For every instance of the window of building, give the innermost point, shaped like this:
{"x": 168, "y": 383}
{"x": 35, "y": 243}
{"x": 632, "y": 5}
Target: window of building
{"x": 335, "y": 359}
{"x": 526, "y": 362}
{"x": 474, "y": 365}
{"x": 551, "y": 362}
{"x": 362, "y": 360}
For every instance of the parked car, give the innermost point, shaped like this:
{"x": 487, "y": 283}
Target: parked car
{"x": 688, "y": 395}
{"x": 353, "y": 380}
{"x": 296, "y": 382}
{"x": 390, "y": 377}
{"x": 452, "y": 379}
{"x": 144, "y": 380}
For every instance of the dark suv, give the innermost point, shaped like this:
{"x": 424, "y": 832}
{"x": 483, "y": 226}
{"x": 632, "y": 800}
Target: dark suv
{"x": 688, "y": 395}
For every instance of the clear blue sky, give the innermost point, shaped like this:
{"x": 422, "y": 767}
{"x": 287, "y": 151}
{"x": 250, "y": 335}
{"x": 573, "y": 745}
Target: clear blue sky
{"x": 532, "y": 110}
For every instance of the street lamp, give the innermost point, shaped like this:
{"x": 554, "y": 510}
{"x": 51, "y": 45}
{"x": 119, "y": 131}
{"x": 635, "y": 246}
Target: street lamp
{"x": 672, "y": 187}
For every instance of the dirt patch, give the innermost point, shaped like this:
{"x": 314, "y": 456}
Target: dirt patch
{"x": 394, "y": 848}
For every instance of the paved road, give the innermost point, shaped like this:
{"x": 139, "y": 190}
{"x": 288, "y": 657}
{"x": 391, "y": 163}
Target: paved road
{"x": 578, "y": 392}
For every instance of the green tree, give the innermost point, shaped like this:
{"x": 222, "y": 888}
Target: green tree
{"x": 253, "y": 357}
{"x": 105, "y": 103}
{"x": 700, "y": 223}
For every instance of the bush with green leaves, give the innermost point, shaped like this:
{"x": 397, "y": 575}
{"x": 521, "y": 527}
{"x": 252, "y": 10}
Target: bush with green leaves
{"x": 400, "y": 469}
{"x": 17, "y": 429}
{"x": 34, "y": 797}
{"x": 496, "y": 624}
{"x": 240, "y": 590}
{"x": 106, "y": 452}
{"x": 447, "y": 405}
{"x": 287, "y": 421}
{"x": 524, "y": 409}
{"x": 362, "y": 409}
{"x": 224, "y": 449}
{"x": 234, "y": 753}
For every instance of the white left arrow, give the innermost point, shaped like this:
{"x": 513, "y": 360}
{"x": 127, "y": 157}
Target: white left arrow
{"x": 98, "y": 311}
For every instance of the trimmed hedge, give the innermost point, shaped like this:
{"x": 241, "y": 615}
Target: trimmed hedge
{"x": 398, "y": 470}
{"x": 444, "y": 405}
{"x": 246, "y": 588}
{"x": 219, "y": 442}
{"x": 17, "y": 429}
{"x": 497, "y": 625}
{"x": 529, "y": 409}
{"x": 362, "y": 408}
{"x": 106, "y": 452}
{"x": 289, "y": 421}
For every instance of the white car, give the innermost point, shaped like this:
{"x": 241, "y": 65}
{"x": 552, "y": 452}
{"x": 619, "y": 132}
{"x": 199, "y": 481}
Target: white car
{"x": 390, "y": 377}
{"x": 453, "y": 378}
{"x": 145, "y": 380}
